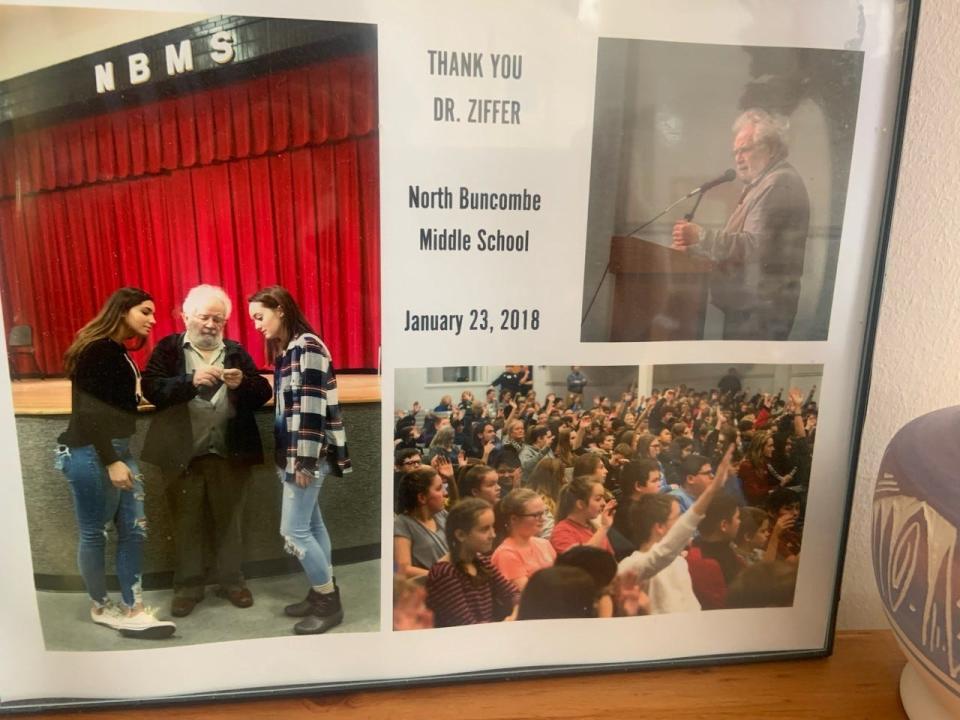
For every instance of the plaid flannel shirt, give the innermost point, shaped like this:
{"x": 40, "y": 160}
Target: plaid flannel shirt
{"x": 311, "y": 411}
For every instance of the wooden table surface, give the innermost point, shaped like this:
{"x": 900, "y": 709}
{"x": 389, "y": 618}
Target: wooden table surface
{"x": 860, "y": 680}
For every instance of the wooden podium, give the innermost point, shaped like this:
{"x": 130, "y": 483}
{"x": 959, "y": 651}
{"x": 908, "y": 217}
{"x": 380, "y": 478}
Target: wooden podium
{"x": 659, "y": 293}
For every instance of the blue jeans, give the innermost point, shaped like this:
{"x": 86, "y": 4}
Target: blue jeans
{"x": 98, "y": 503}
{"x": 301, "y": 525}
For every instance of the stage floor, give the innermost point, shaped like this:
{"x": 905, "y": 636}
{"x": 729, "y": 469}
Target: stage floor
{"x": 52, "y": 397}
{"x": 65, "y": 616}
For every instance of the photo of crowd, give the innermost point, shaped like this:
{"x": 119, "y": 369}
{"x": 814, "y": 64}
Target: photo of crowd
{"x": 657, "y": 498}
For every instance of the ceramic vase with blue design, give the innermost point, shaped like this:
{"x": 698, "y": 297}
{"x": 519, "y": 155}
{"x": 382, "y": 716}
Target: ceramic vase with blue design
{"x": 916, "y": 558}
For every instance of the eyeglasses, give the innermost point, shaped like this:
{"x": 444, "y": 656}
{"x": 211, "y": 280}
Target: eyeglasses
{"x": 709, "y": 473}
{"x": 215, "y": 319}
{"x": 537, "y": 515}
{"x": 413, "y": 462}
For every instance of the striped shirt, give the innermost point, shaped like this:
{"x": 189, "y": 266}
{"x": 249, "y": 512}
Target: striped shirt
{"x": 309, "y": 427}
{"x": 460, "y": 599}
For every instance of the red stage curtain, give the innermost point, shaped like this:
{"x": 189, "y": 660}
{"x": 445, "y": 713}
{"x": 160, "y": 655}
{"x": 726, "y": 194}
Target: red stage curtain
{"x": 267, "y": 181}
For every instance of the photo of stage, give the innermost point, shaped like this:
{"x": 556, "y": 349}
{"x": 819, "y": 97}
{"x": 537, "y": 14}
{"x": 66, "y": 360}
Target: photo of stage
{"x": 239, "y": 157}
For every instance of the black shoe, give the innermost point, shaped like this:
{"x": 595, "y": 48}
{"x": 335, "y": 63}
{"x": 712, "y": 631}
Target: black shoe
{"x": 302, "y": 608}
{"x": 325, "y": 613}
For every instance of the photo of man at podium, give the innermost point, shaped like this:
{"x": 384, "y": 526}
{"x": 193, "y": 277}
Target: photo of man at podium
{"x": 749, "y": 254}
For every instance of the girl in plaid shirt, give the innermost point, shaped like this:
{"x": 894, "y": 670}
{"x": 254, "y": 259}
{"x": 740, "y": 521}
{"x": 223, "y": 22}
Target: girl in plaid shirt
{"x": 310, "y": 444}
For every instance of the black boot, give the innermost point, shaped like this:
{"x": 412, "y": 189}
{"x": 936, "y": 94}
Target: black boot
{"x": 302, "y": 608}
{"x": 325, "y": 613}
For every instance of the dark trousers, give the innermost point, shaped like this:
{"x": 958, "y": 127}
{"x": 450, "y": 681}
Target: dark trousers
{"x": 210, "y": 488}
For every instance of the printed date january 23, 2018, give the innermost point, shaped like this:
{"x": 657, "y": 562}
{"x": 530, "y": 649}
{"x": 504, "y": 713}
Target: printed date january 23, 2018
{"x": 474, "y": 320}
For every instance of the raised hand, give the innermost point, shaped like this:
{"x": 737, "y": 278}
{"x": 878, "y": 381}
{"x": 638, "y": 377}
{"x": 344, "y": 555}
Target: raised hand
{"x": 724, "y": 468}
{"x": 796, "y": 398}
{"x": 443, "y": 466}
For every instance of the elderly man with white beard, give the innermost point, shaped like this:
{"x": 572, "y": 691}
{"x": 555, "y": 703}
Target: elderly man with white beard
{"x": 758, "y": 255}
{"x": 205, "y": 439}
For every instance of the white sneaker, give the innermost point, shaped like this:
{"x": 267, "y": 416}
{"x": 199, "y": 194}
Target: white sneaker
{"x": 146, "y": 626}
{"x": 109, "y": 615}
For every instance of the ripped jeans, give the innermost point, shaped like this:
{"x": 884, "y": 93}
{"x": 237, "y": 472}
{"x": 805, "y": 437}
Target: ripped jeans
{"x": 98, "y": 503}
{"x": 301, "y": 525}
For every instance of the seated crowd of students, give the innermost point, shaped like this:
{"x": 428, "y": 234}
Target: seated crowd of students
{"x": 513, "y": 509}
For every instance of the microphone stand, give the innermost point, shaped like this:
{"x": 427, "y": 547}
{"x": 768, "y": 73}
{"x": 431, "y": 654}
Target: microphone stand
{"x": 689, "y": 216}
{"x": 698, "y": 192}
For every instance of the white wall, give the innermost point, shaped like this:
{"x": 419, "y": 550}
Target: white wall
{"x": 411, "y": 383}
{"x": 78, "y": 31}
{"x": 754, "y": 378}
{"x": 916, "y": 363}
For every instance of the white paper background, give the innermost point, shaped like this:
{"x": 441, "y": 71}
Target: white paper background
{"x": 548, "y": 153}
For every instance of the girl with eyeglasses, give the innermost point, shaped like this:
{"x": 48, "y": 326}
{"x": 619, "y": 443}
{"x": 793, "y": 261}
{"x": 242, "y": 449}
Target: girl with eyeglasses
{"x": 522, "y": 552}
{"x": 547, "y": 478}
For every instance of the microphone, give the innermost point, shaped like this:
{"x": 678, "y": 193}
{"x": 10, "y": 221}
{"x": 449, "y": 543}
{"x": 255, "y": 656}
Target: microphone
{"x": 727, "y": 176}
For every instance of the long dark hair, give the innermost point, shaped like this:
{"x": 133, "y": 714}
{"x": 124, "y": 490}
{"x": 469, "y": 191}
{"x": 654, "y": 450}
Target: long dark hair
{"x": 412, "y": 485}
{"x": 105, "y": 324}
{"x": 463, "y": 516}
{"x": 292, "y": 321}
{"x": 476, "y": 433}
{"x": 643, "y": 445}
{"x": 587, "y": 465}
{"x": 647, "y": 512}
{"x": 561, "y": 591}
{"x": 580, "y": 488}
